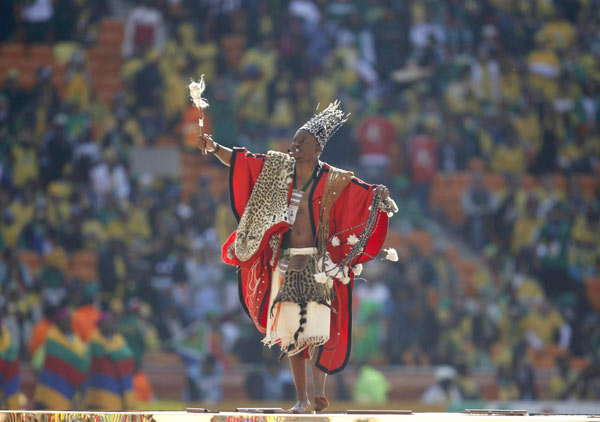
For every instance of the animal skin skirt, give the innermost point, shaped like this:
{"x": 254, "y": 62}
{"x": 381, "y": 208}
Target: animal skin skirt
{"x": 296, "y": 327}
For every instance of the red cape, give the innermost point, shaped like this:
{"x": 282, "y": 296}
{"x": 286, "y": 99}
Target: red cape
{"x": 350, "y": 209}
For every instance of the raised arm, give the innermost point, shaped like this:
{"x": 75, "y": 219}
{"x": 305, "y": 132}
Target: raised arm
{"x": 206, "y": 143}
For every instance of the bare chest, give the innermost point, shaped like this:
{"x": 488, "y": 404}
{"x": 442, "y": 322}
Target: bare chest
{"x": 301, "y": 230}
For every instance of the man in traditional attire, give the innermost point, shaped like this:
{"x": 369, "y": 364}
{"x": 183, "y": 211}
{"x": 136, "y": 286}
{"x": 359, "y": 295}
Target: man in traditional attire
{"x": 110, "y": 380}
{"x": 64, "y": 371}
{"x": 304, "y": 229}
{"x": 10, "y": 379}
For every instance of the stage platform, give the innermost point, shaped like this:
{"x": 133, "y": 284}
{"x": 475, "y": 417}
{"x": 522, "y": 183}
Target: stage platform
{"x": 275, "y": 415}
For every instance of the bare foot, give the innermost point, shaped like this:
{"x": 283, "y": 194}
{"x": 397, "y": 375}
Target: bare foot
{"x": 321, "y": 403}
{"x": 300, "y": 407}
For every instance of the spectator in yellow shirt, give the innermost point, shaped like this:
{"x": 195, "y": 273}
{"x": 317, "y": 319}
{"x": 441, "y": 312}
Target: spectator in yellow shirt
{"x": 459, "y": 94}
{"x": 511, "y": 79}
{"x": 526, "y": 289}
{"x": 582, "y": 254}
{"x": 23, "y": 207}
{"x": 509, "y": 157}
{"x": 58, "y": 208}
{"x": 561, "y": 379}
{"x": 264, "y": 57}
{"x": 24, "y": 157}
{"x": 543, "y": 324}
{"x": 10, "y": 230}
{"x": 251, "y": 101}
{"x": 529, "y": 129}
{"x": 78, "y": 86}
{"x": 544, "y": 68}
{"x": 559, "y": 33}
{"x": 526, "y": 226}
{"x": 507, "y": 389}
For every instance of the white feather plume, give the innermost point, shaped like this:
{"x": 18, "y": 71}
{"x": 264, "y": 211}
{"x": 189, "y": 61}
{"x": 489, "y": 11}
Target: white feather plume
{"x": 196, "y": 91}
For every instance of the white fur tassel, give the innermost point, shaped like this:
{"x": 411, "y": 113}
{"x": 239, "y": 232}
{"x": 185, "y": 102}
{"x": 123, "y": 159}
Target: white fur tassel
{"x": 335, "y": 241}
{"x": 321, "y": 278}
{"x": 345, "y": 279}
{"x": 391, "y": 254}
{"x": 357, "y": 269}
{"x": 330, "y": 266}
{"x": 352, "y": 239}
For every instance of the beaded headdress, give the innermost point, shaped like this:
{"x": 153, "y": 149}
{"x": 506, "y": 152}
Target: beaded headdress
{"x": 324, "y": 124}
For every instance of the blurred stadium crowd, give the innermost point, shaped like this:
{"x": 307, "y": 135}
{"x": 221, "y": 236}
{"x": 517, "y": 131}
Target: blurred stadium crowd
{"x": 482, "y": 116}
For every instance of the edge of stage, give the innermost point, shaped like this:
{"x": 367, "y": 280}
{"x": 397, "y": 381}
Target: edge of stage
{"x": 275, "y": 415}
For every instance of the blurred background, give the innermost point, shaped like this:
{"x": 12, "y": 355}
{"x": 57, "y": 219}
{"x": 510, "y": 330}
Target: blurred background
{"x": 481, "y": 116}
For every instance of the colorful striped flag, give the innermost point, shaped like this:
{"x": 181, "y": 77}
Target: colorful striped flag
{"x": 110, "y": 382}
{"x": 10, "y": 382}
{"x": 64, "y": 371}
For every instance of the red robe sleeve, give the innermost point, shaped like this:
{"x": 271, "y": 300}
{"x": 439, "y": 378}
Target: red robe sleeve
{"x": 244, "y": 169}
{"x": 350, "y": 210}
{"x": 253, "y": 284}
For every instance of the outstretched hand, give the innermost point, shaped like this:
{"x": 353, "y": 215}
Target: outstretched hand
{"x": 206, "y": 143}
{"x": 384, "y": 191}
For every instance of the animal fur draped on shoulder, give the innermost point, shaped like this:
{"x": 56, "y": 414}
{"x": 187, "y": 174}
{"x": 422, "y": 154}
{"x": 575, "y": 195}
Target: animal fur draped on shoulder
{"x": 267, "y": 206}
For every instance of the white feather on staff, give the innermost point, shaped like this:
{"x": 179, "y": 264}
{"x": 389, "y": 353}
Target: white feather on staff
{"x": 196, "y": 91}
